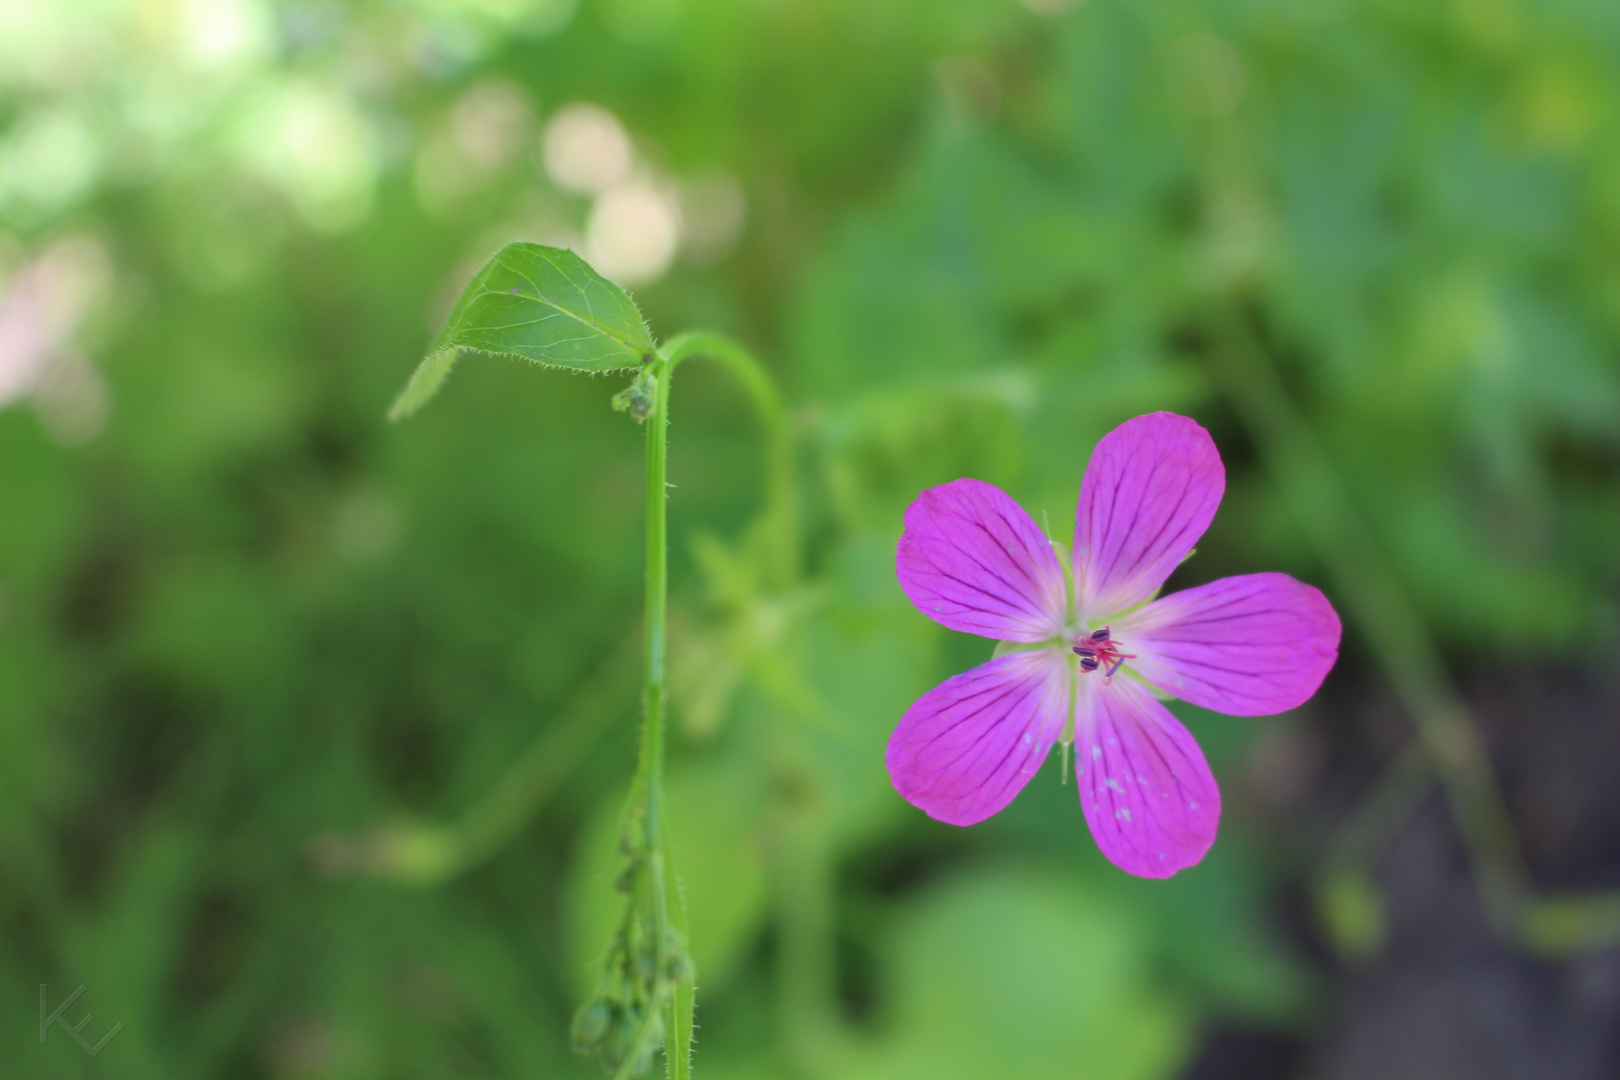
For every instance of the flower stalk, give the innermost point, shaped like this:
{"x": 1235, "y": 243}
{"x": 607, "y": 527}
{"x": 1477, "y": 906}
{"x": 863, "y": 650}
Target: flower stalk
{"x": 547, "y": 306}
{"x": 645, "y": 995}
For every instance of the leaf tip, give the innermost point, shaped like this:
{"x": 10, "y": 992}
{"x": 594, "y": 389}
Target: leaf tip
{"x": 423, "y": 383}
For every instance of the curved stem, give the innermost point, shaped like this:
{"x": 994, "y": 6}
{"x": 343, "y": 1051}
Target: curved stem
{"x": 426, "y": 854}
{"x": 780, "y": 535}
{"x": 781, "y": 513}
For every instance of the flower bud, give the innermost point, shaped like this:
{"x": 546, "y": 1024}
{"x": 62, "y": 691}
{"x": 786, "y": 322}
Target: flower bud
{"x": 646, "y": 967}
{"x": 639, "y": 397}
{"x": 591, "y": 1025}
{"x": 621, "y": 1035}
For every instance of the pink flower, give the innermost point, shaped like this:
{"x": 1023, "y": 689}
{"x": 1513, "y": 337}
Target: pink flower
{"x": 1093, "y": 651}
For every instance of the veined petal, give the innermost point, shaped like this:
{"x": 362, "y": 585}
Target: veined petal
{"x": 1249, "y": 645}
{"x": 1150, "y": 491}
{"x": 965, "y": 748}
{"x": 1145, "y": 787}
{"x": 971, "y": 559}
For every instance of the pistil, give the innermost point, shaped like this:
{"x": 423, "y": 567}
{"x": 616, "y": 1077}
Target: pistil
{"x": 1100, "y": 650}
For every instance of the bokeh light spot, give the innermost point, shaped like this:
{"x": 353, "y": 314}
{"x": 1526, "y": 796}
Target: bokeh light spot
{"x": 586, "y": 149}
{"x": 632, "y": 232}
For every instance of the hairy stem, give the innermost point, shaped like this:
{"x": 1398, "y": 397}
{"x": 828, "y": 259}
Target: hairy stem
{"x": 660, "y": 879}
{"x": 650, "y": 769}
{"x": 649, "y": 972}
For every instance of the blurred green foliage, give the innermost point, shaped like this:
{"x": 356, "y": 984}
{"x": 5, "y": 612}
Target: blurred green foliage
{"x": 243, "y": 622}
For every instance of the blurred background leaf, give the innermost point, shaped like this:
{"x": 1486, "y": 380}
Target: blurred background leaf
{"x": 243, "y": 620}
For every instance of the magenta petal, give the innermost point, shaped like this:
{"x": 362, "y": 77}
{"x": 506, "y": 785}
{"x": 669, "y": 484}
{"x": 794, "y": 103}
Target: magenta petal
{"x": 965, "y": 748}
{"x": 971, "y": 559}
{"x": 1150, "y": 491}
{"x": 1145, "y": 787}
{"x": 1248, "y": 645}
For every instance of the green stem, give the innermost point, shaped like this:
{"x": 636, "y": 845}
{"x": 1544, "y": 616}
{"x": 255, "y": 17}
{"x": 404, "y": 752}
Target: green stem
{"x": 432, "y": 854}
{"x": 514, "y": 799}
{"x": 656, "y": 883}
{"x": 780, "y": 535}
{"x": 669, "y": 921}
{"x": 428, "y": 854}
{"x": 781, "y": 511}
{"x": 650, "y": 770}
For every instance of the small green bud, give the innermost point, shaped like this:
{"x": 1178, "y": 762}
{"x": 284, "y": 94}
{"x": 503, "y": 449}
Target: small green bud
{"x": 591, "y": 1025}
{"x": 639, "y": 397}
{"x": 621, "y": 1035}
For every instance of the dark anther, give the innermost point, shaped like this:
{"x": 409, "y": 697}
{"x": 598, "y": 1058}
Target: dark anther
{"x": 1082, "y": 651}
{"x": 1100, "y": 635}
{"x": 1117, "y": 665}
{"x": 1088, "y": 664}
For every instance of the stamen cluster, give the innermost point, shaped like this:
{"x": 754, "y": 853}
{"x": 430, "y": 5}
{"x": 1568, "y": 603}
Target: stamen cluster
{"x": 1099, "y": 649}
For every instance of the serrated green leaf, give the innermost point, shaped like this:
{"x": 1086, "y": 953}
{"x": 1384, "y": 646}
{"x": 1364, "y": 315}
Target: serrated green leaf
{"x": 537, "y": 303}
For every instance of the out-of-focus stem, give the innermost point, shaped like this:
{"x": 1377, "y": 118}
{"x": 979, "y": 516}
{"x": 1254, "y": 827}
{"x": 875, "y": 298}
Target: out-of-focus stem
{"x": 430, "y": 854}
{"x": 806, "y": 967}
{"x": 1380, "y": 608}
{"x": 513, "y": 800}
{"x": 781, "y": 508}
{"x": 659, "y": 878}
{"x": 1402, "y": 784}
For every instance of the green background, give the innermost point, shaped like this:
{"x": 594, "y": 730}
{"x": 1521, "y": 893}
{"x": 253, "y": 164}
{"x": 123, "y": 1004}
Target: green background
{"x": 254, "y": 639}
